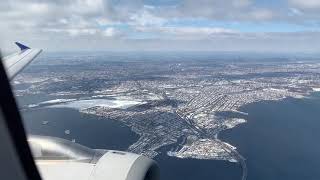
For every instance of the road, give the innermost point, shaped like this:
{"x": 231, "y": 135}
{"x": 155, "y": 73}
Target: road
{"x": 238, "y": 157}
{"x": 235, "y": 154}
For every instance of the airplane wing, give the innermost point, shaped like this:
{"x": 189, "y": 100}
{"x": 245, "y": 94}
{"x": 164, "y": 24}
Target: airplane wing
{"x": 16, "y": 62}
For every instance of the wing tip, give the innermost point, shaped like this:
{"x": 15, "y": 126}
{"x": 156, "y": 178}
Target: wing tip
{"x": 21, "y": 46}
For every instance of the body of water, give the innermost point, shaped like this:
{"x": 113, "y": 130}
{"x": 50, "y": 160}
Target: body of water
{"x": 280, "y": 140}
{"x": 94, "y": 132}
{"x": 88, "y": 130}
{"x": 173, "y": 168}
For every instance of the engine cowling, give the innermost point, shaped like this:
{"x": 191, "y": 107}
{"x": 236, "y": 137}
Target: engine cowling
{"x": 119, "y": 165}
{"x": 61, "y": 159}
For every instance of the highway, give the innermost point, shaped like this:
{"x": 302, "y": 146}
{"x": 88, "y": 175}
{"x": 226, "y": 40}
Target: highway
{"x": 235, "y": 154}
{"x": 238, "y": 157}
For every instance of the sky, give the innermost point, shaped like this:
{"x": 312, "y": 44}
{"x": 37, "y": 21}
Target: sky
{"x": 162, "y": 25}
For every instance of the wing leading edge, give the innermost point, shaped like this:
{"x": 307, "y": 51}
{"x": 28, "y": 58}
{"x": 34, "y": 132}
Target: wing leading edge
{"x": 15, "y": 63}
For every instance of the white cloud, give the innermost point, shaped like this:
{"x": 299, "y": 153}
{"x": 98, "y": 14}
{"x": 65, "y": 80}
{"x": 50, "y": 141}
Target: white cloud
{"x": 262, "y": 14}
{"x": 104, "y": 21}
{"x": 231, "y": 10}
{"x": 37, "y": 8}
{"x": 87, "y": 7}
{"x": 38, "y": 21}
{"x": 305, "y": 4}
{"x": 110, "y": 32}
{"x": 195, "y": 30}
{"x": 72, "y": 31}
{"x": 241, "y": 3}
{"x": 188, "y": 32}
{"x": 145, "y": 18}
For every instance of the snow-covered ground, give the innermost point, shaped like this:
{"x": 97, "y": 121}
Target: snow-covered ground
{"x": 316, "y": 89}
{"x": 84, "y": 104}
{"x": 50, "y": 102}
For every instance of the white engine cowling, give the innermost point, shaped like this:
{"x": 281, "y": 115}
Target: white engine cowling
{"x": 119, "y": 165}
{"x": 61, "y": 159}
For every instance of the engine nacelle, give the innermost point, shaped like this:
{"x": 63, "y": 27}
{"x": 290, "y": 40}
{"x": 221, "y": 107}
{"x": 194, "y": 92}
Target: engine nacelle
{"x": 61, "y": 159}
{"x": 119, "y": 165}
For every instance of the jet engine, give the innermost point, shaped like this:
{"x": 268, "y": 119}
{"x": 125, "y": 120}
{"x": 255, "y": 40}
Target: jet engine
{"x": 61, "y": 159}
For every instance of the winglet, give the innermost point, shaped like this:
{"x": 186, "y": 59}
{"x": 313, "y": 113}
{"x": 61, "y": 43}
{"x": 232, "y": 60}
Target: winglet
{"x": 21, "y": 46}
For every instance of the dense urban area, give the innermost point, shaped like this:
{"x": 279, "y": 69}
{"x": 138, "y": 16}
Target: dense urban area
{"x": 168, "y": 100}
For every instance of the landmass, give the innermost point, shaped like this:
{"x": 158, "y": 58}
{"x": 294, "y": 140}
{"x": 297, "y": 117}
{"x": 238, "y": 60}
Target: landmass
{"x": 184, "y": 103}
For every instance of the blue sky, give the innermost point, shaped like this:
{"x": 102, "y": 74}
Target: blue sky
{"x": 210, "y": 25}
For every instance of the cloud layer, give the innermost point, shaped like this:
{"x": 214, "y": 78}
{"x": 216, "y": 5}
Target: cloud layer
{"x": 251, "y": 25}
